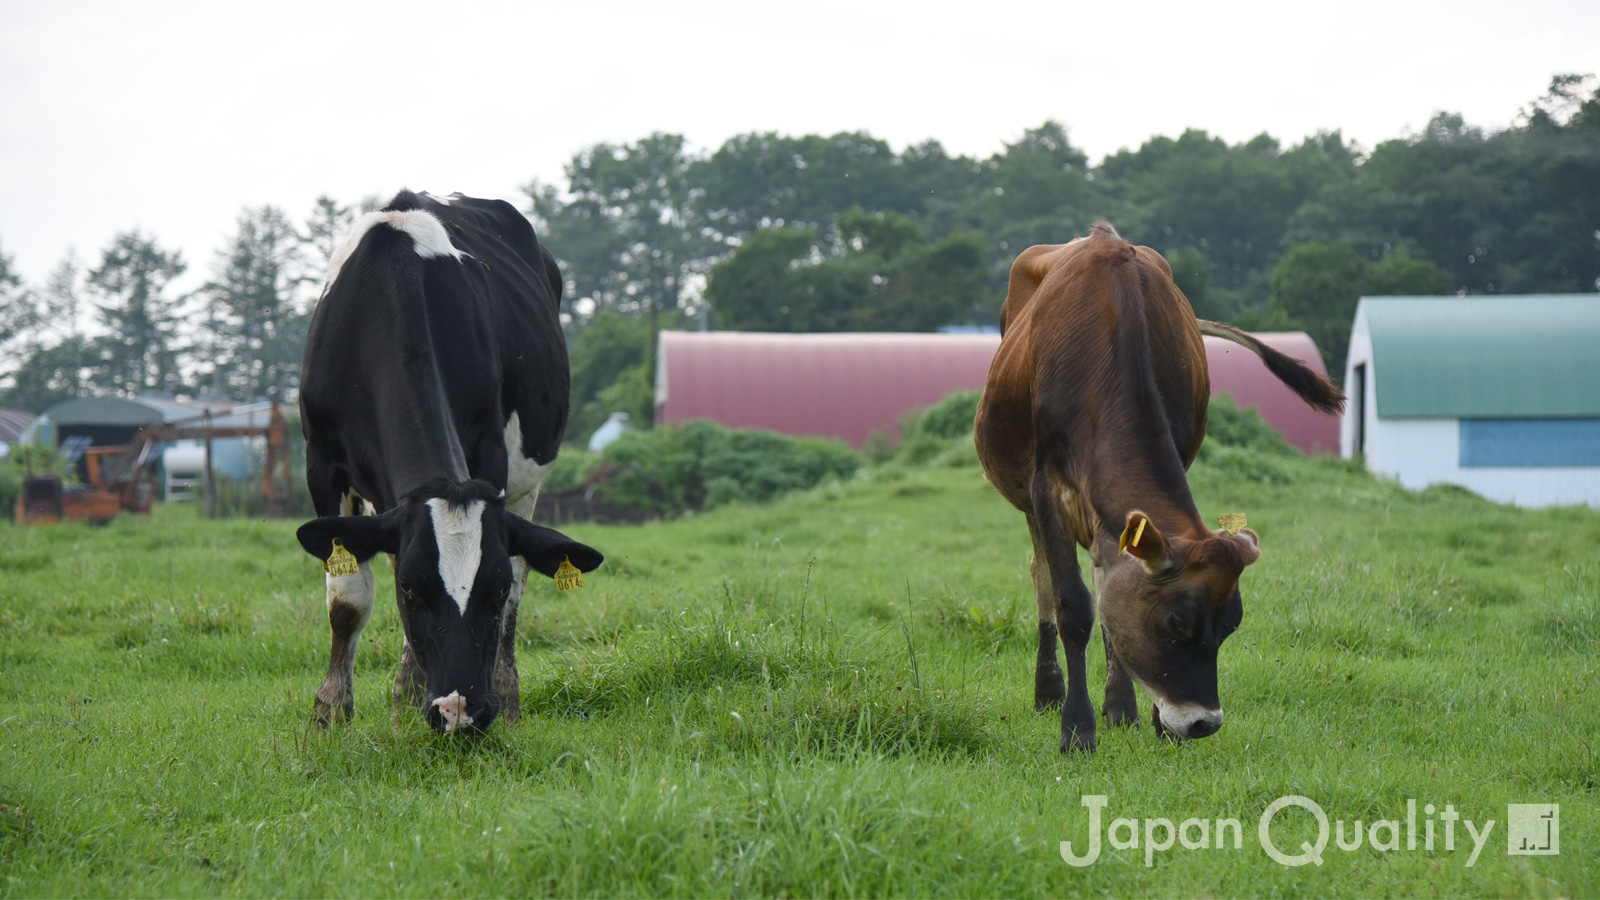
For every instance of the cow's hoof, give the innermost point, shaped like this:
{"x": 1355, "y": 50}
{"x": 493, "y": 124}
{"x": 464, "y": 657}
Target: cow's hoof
{"x": 324, "y": 713}
{"x": 1121, "y": 715}
{"x": 1078, "y": 742}
{"x": 1047, "y": 696}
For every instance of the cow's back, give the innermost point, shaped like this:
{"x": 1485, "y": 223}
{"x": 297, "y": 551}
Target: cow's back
{"x": 440, "y": 318}
{"x": 1098, "y": 348}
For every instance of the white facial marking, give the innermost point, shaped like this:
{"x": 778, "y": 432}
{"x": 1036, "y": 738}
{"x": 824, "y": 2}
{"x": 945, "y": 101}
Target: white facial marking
{"x": 459, "y": 532}
{"x": 524, "y": 477}
{"x": 427, "y": 233}
{"x": 454, "y": 710}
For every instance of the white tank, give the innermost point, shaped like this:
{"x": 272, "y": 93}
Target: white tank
{"x": 185, "y": 467}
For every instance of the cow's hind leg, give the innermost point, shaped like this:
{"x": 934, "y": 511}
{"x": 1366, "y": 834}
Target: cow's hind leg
{"x": 1074, "y": 611}
{"x": 1121, "y": 706}
{"x": 1049, "y": 686}
{"x": 410, "y": 688}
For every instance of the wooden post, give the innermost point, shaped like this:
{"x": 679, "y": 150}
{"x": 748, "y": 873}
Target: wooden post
{"x": 211, "y": 488}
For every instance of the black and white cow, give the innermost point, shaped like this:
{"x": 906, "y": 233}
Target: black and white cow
{"x": 433, "y": 397}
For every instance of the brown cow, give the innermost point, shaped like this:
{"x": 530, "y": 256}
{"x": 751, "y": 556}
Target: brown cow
{"x": 1095, "y": 406}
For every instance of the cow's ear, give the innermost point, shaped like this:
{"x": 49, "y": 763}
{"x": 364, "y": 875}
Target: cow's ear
{"x": 544, "y": 548}
{"x": 1143, "y": 541}
{"x": 1250, "y": 549}
{"x": 364, "y": 536}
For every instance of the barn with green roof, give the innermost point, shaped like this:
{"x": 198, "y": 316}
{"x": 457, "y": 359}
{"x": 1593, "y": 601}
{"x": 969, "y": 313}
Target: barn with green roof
{"x": 1500, "y": 395}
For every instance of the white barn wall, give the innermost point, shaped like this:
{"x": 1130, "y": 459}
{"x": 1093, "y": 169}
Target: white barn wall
{"x": 1421, "y": 452}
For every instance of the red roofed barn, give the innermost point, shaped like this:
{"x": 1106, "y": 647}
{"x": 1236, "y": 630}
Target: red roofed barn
{"x": 848, "y": 385}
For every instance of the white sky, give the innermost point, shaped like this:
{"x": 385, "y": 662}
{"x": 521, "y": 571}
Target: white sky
{"x": 172, "y": 116}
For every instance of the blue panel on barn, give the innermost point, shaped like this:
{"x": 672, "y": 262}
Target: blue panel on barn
{"x": 1529, "y": 443}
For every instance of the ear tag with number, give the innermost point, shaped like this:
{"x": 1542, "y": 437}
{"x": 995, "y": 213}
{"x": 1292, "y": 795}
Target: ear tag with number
{"x": 567, "y": 576}
{"x": 341, "y": 562}
{"x": 1232, "y": 523}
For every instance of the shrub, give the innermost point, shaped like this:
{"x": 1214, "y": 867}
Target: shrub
{"x": 571, "y": 467}
{"x": 950, "y": 417}
{"x": 39, "y": 459}
{"x": 700, "y": 464}
{"x": 1234, "y": 427}
{"x": 927, "y": 433}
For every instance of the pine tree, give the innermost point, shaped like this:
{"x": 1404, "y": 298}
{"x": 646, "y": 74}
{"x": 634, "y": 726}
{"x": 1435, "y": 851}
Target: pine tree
{"x": 254, "y": 320}
{"x": 140, "y": 351}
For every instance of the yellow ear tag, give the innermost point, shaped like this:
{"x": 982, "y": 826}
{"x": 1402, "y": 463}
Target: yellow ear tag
{"x": 567, "y": 576}
{"x": 1122, "y": 542}
{"x": 341, "y": 562}
{"x": 1231, "y": 522}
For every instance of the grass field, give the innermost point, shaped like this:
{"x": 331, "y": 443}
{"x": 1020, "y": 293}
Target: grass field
{"x": 829, "y": 695}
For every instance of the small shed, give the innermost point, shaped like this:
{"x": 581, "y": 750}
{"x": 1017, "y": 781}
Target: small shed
{"x": 110, "y": 421}
{"x": 1500, "y": 395}
{"x": 849, "y": 385}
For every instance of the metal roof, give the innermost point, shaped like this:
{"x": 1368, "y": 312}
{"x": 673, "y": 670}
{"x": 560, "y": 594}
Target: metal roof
{"x": 848, "y": 385}
{"x": 12, "y": 423}
{"x": 138, "y": 412}
{"x": 1511, "y": 356}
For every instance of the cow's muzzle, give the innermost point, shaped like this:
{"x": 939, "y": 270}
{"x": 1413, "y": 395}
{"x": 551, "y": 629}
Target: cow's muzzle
{"x": 454, "y": 713}
{"x": 1185, "y": 722}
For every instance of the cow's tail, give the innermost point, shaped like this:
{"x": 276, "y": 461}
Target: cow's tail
{"x": 1301, "y": 378}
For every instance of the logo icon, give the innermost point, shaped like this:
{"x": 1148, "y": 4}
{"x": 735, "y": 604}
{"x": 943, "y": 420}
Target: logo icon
{"x": 1533, "y": 829}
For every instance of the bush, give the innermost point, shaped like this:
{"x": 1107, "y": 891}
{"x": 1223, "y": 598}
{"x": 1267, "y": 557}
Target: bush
{"x": 950, "y": 417}
{"x": 928, "y": 433}
{"x": 25, "y": 458}
{"x": 571, "y": 467}
{"x": 1231, "y": 426}
{"x": 700, "y": 465}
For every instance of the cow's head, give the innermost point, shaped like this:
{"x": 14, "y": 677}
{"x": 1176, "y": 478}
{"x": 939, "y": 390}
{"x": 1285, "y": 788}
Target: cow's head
{"x": 1167, "y": 605}
{"x": 453, "y": 549}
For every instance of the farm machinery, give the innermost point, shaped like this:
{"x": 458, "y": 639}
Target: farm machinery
{"x": 120, "y": 478}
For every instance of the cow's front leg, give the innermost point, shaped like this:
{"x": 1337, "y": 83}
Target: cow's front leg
{"x": 350, "y": 599}
{"x": 1074, "y": 612}
{"x": 506, "y": 683}
{"x": 1121, "y": 706}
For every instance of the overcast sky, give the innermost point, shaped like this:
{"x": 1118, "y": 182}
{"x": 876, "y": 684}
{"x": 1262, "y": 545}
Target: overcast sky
{"x": 171, "y": 117}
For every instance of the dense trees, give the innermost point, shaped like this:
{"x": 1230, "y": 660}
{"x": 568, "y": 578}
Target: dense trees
{"x": 237, "y": 336}
{"x": 140, "y": 349}
{"x": 843, "y": 232}
{"x": 256, "y": 329}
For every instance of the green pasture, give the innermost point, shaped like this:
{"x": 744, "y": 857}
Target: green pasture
{"x": 829, "y": 695}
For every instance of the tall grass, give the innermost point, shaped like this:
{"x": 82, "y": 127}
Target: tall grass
{"x": 830, "y": 695}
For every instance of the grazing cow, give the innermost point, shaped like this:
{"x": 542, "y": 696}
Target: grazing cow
{"x": 434, "y": 397}
{"x": 1095, "y": 406}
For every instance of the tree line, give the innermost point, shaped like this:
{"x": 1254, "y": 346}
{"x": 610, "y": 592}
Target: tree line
{"x": 841, "y": 232}
{"x": 238, "y": 336}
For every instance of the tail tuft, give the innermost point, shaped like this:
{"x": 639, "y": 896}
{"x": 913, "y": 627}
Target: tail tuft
{"x": 1308, "y": 385}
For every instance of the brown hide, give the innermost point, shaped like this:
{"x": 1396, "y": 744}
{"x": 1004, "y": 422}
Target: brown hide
{"x": 1122, "y": 411}
{"x": 1094, "y": 407}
